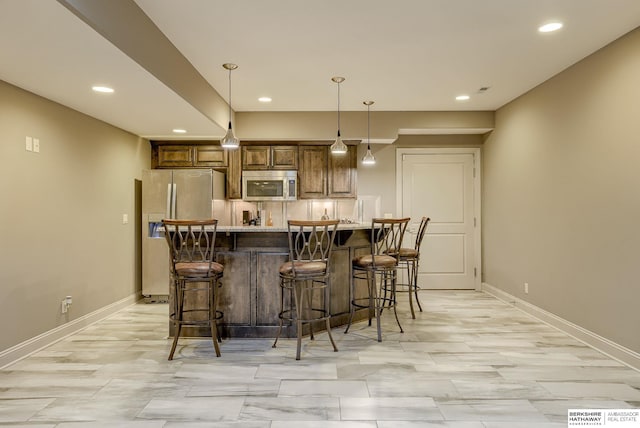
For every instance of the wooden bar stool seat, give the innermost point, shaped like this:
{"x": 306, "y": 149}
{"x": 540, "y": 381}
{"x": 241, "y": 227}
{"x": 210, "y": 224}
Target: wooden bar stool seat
{"x": 199, "y": 270}
{"x": 408, "y": 253}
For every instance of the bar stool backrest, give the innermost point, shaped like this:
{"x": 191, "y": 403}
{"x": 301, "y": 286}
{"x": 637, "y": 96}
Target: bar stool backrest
{"x": 387, "y": 235}
{"x": 191, "y": 241}
{"x": 421, "y": 230}
{"x": 311, "y": 240}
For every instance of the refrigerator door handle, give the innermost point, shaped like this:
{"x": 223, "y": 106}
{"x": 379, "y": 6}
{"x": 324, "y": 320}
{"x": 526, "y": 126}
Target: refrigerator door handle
{"x": 168, "y": 212}
{"x": 173, "y": 201}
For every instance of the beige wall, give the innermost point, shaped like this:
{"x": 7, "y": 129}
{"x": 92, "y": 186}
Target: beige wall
{"x": 561, "y": 194}
{"x": 61, "y": 214}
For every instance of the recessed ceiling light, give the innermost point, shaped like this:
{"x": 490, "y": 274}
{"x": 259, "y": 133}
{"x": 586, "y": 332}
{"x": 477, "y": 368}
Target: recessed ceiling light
{"x": 179, "y": 131}
{"x": 550, "y": 27}
{"x": 462, "y": 97}
{"x": 103, "y": 89}
{"x": 264, "y": 99}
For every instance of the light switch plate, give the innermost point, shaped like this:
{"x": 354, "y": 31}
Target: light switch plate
{"x": 29, "y": 144}
{"x": 36, "y": 145}
{"x": 125, "y": 218}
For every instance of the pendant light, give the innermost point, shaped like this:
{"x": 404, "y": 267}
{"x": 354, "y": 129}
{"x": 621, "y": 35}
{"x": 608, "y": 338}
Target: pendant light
{"x": 229, "y": 141}
{"x": 338, "y": 147}
{"x": 368, "y": 158}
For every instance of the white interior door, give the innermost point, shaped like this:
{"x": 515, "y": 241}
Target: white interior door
{"x": 443, "y": 187}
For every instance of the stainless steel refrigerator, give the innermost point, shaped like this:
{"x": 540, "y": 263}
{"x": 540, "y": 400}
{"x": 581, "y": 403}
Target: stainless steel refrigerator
{"x": 176, "y": 194}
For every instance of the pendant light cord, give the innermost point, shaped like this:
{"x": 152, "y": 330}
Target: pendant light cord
{"x": 368, "y": 126}
{"x": 339, "y": 109}
{"x": 229, "y": 98}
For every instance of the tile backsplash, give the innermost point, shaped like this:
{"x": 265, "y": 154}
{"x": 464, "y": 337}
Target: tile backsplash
{"x": 358, "y": 210}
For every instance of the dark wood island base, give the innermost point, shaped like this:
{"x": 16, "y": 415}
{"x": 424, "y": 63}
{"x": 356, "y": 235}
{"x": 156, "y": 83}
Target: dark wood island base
{"x": 250, "y": 292}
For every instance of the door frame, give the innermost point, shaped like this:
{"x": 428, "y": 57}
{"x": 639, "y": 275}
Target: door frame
{"x": 477, "y": 174}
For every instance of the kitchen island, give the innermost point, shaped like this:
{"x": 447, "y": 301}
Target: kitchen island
{"x": 250, "y": 292}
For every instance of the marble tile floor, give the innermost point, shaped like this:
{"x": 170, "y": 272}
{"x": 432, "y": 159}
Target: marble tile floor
{"x": 467, "y": 361}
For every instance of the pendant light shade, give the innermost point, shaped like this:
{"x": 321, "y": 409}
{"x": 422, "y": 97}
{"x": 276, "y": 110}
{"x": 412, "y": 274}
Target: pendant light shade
{"x": 229, "y": 141}
{"x": 338, "y": 147}
{"x": 368, "y": 158}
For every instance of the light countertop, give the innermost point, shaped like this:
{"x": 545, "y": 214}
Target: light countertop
{"x": 341, "y": 226}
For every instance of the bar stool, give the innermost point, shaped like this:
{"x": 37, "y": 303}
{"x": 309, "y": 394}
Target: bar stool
{"x": 306, "y": 276}
{"x": 409, "y": 258}
{"x": 192, "y": 252}
{"x": 379, "y": 270}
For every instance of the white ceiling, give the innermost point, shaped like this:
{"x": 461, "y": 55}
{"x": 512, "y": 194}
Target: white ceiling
{"x": 403, "y": 54}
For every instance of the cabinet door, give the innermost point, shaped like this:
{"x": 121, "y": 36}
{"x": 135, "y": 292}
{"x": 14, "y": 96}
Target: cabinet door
{"x": 210, "y": 156}
{"x": 234, "y": 297}
{"x": 175, "y": 156}
{"x": 256, "y": 157}
{"x": 313, "y": 172}
{"x": 284, "y": 157}
{"x": 234, "y": 175}
{"x": 343, "y": 174}
{"x": 340, "y": 273}
{"x": 268, "y": 286}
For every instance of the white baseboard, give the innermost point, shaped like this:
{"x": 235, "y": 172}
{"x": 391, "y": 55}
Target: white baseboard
{"x": 617, "y": 352}
{"x": 28, "y": 347}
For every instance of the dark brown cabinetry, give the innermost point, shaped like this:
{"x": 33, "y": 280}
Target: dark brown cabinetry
{"x": 268, "y": 285}
{"x": 342, "y": 174}
{"x": 312, "y": 177}
{"x": 234, "y": 175}
{"x": 323, "y": 175}
{"x": 235, "y": 293}
{"x": 320, "y": 174}
{"x": 284, "y": 157}
{"x": 211, "y": 156}
{"x": 188, "y": 155}
{"x": 269, "y": 157}
{"x": 250, "y": 291}
{"x": 257, "y": 157}
{"x": 174, "y": 156}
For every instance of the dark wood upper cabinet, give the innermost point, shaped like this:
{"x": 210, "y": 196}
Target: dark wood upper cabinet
{"x": 312, "y": 175}
{"x": 269, "y": 157}
{"x": 234, "y": 175}
{"x": 174, "y": 156}
{"x": 342, "y": 174}
{"x": 323, "y": 175}
{"x": 211, "y": 156}
{"x": 188, "y": 155}
{"x": 255, "y": 157}
{"x": 284, "y": 157}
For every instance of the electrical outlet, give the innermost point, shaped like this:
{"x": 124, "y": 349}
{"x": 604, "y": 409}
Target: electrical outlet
{"x": 526, "y": 288}
{"x": 66, "y": 302}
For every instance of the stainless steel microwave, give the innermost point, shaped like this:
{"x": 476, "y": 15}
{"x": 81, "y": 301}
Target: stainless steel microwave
{"x": 269, "y": 185}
